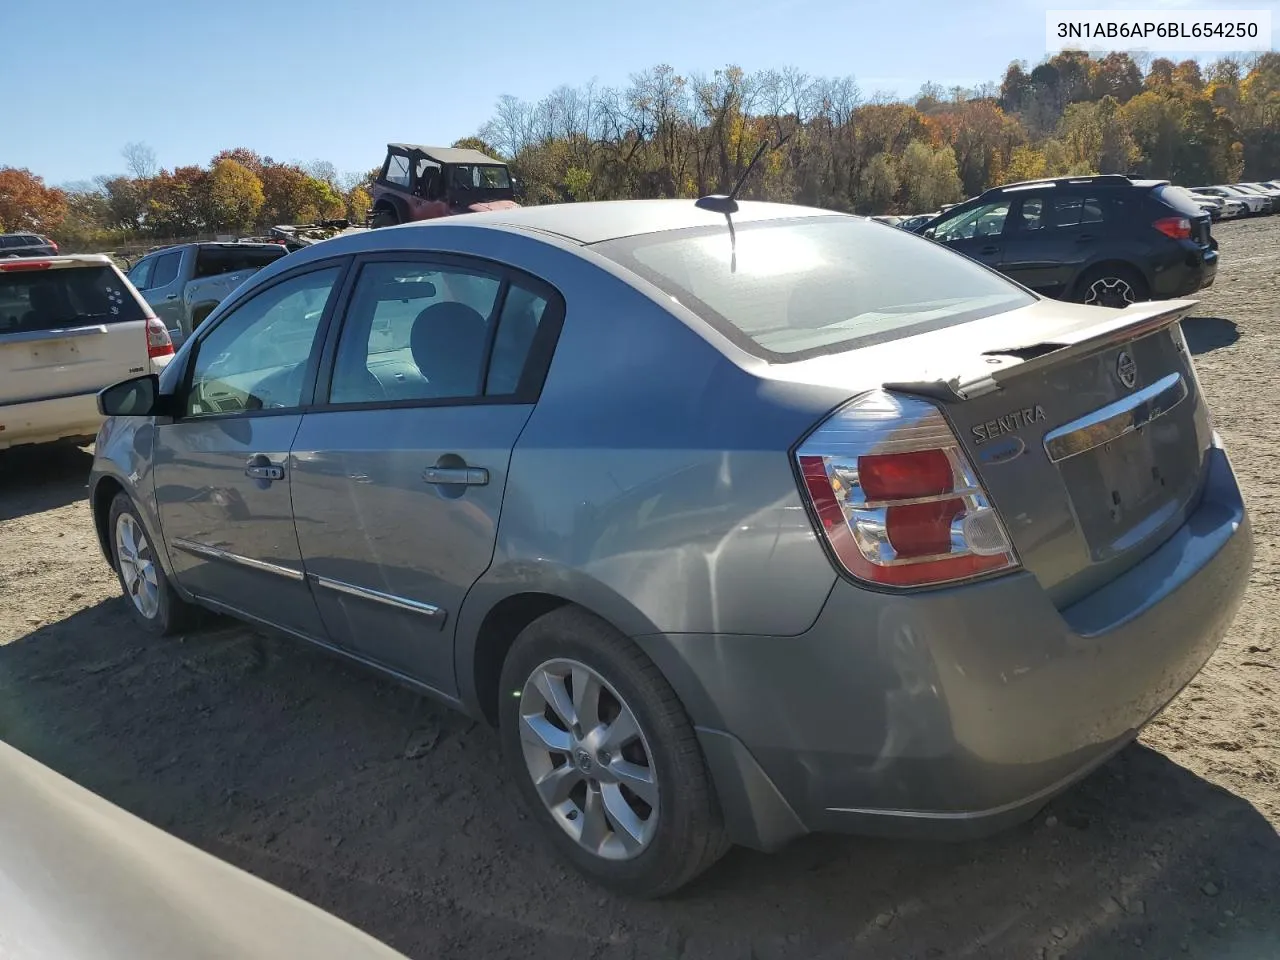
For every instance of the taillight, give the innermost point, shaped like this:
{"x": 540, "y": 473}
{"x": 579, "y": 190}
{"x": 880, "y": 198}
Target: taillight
{"x": 159, "y": 343}
{"x": 17, "y": 265}
{"x": 53, "y": 244}
{"x": 896, "y": 497}
{"x": 1179, "y": 228}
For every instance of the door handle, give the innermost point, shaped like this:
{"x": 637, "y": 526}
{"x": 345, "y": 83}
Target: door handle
{"x": 467, "y": 476}
{"x": 260, "y": 468}
{"x": 1086, "y": 238}
{"x": 991, "y": 249}
{"x": 172, "y": 296}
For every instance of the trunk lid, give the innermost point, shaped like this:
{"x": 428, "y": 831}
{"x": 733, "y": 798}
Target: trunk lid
{"x": 67, "y": 327}
{"x": 1086, "y": 425}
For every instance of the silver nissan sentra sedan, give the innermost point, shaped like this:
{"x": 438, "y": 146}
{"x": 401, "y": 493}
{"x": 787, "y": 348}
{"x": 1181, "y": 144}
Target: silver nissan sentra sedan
{"x": 738, "y": 526}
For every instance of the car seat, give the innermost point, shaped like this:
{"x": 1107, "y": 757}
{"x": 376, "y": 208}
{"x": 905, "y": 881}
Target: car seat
{"x": 447, "y": 344}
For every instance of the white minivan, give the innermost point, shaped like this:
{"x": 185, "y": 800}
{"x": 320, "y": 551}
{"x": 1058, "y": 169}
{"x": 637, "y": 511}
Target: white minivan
{"x": 69, "y": 326}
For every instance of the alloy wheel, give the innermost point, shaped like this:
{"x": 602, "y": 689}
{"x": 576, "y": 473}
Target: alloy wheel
{"x": 1110, "y": 292}
{"x": 137, "y": 566}
{"x": 589, "y": 760}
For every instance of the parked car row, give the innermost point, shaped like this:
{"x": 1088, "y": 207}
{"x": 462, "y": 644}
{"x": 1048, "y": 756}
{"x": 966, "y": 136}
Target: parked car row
{"x": 1256, "y": 199}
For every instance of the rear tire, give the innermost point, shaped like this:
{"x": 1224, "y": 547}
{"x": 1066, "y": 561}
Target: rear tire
{"x": 625, "y": 741}
{"x": 153, "y": 603}
{"x": 385, "y": 217}
{"x": 1112, "y": 286}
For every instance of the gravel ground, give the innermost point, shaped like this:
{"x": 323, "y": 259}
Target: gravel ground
{"x": 393, "y": 813}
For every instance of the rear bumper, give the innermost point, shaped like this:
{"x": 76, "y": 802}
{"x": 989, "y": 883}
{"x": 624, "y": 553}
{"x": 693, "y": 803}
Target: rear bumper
{"x": 1187, "y": 268}
{"x": 955, "y": 712}
{"x": 44, "y": 421}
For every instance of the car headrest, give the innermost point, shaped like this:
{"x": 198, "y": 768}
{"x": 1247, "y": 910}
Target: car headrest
{"x": 447, "y": 343}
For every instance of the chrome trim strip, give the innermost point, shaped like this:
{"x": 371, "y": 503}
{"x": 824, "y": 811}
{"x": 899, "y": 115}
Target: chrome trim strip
{"x": 1115, "y": 419}
{"x": 216, "y": 553}
{"x": 364, "y": 593}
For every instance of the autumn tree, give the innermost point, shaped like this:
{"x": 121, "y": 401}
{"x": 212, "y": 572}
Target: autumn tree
{"x": 27, "y": 204}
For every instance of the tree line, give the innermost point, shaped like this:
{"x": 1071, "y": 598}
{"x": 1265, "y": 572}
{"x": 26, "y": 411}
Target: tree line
{"x": 665, "y": 134}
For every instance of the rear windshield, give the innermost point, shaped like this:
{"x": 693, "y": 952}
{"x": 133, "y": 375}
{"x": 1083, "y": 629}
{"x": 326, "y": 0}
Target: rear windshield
{"x": 1180, "y": 199}
{"x": 790, "y": 289}
{"x": 63, "y": 297}
{"x": 212, "y": 261}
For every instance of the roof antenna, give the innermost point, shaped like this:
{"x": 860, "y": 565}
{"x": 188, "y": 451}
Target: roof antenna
{"x": 718, "y": 202}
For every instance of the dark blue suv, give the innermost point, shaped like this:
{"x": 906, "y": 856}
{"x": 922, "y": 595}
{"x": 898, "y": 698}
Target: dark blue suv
{"x": 1107, "y": 240}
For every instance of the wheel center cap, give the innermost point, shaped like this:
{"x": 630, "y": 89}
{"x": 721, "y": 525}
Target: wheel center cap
{"x": 585, "y": 763}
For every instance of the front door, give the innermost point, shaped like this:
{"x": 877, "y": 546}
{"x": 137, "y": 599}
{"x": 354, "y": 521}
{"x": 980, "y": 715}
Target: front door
{"x": 398, "y": 481}
{"x": 222, "y": 468}
{"x": 976, "y": 232}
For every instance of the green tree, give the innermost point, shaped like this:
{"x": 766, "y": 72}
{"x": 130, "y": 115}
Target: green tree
{"x": 235, "y": 196}
{"x": 879, "y": 183}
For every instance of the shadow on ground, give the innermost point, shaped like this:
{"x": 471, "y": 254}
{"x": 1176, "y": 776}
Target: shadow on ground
{"x": 1205, "y": 334}
{"x": 395, "y": 814}
{"x": 41, "y": 478}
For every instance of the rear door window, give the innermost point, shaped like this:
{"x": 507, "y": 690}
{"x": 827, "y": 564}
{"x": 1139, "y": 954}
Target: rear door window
{"x": 32, "y": 300}
{"x": 789, "y": 289}
{"x": 166, "y": 269}
{"x": 1078, "y": 211}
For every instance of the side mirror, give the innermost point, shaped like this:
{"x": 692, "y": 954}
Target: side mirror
{"x": 928, "y": 234}
{"x": 135, "y": 397}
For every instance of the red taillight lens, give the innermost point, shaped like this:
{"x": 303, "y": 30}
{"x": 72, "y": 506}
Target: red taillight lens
{"x": 898, "y": 476}
{"x": 54, "y": 245}
{"x": 1179, "y": 228}
{"x": 896, "y": 497}
{"x": 159, "y": 343}
{"x": 17, "y": 265}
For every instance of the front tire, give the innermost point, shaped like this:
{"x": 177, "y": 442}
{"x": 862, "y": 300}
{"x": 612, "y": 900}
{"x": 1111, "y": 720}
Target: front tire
{"x": 1112, "y": 286}
{"x": 605, "y": 758}
{"x": 153, "y": 603}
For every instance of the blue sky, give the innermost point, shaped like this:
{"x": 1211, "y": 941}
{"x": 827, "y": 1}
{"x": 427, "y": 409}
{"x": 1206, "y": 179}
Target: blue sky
{"x": 333, "y": 80}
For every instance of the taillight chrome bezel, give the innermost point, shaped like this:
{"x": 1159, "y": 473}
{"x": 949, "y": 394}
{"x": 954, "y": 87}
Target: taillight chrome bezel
{"x": 856, "y": 528}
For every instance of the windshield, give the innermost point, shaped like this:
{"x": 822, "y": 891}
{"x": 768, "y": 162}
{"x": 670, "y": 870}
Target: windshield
{"x": 64, "y": 297}
{"x": 475, "y": 176}
{"x": 789, "y": 289}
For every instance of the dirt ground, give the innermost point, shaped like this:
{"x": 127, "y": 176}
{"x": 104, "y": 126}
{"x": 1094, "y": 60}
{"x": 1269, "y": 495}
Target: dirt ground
{"x": 393, "y": 813}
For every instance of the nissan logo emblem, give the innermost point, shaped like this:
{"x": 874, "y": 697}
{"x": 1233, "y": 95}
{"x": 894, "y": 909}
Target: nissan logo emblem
{"x": 1126, "y": 369}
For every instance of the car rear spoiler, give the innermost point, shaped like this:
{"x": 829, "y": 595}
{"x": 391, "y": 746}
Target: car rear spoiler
{"x": 1037, "y": 351}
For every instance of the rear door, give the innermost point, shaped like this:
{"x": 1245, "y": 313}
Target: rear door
{"x": 398, "y": 479}
{"x": 67, "y": 328}
{"x": 1052, "y": 236}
